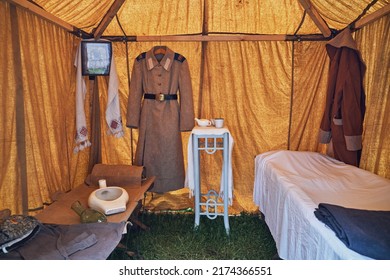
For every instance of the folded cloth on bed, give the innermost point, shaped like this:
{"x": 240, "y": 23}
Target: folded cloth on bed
{"x": 364, "y": 231}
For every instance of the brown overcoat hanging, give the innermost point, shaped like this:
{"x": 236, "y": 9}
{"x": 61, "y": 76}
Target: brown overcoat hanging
{"x": 159, "y": 146}
{"x": 342, "y": 121}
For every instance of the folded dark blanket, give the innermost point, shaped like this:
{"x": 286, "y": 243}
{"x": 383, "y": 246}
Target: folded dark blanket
{"x": 366, "y": 232}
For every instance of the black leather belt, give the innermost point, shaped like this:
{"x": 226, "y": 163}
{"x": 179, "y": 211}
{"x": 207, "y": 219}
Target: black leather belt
{"x": 160, "y": 97}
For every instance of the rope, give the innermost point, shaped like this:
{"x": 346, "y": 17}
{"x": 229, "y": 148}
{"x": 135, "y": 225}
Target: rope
{"x": 301, "y": 23}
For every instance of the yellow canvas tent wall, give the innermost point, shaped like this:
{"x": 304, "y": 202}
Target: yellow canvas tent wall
{"x": 261, "y": 65}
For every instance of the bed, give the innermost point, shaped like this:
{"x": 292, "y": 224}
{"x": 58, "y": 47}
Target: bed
{"x": 290, "y": 185}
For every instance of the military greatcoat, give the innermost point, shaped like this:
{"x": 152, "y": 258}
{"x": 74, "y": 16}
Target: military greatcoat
{"x": 159, "y": 146}
{"x": 345, "y": 102}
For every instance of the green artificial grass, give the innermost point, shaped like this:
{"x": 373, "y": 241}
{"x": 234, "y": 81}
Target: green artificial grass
{"x": 172, "y": 237}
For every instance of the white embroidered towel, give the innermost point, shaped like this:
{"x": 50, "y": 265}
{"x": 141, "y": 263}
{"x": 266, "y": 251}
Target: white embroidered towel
{"x": 190, "y": 179}
{"x": 113, "y": 115}
{"x": 81, "y": 124}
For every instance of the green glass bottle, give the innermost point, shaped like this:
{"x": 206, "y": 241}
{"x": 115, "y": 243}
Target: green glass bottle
{"x": 88, "y": 215}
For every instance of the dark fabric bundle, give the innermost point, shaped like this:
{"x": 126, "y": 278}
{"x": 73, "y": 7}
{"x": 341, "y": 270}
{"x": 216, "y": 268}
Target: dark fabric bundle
{"x": 366, "y": 232}
{"x": 16, "y": 230}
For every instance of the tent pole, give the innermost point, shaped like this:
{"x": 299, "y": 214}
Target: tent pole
{"x": 203, "y": 57}
{"x": 291, "y": 97}
{"x": 95, "y": 153}
{"x": 372, "y": 17}
{"x": 316, "y": 17}
{"x": 37, "y": 10}
{"x": 112, "y": 12}
{"x": 128, "y": 87}
{"x": 126, "y": 41}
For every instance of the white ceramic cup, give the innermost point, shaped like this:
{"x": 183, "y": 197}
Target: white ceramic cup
{"x": 218, "y": 122}
{"x": 102, "y": 183}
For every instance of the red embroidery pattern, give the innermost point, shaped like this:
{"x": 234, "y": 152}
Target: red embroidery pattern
{"x": 114, "y": 124}
{"x": 84, "y": 131}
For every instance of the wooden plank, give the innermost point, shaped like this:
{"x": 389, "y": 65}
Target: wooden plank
{"x": 316, "y": 17}
{"x": 373, "y": 17}
{"x": 205, "y": 25}
{"x": 223, "y": 38}
{"x": 42, "y": 13}
{"x": 107, "y": 18}
{"x": 205, "y": 29}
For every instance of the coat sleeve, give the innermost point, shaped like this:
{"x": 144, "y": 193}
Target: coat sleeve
{"x": 135, "y": 97}
{"x": 325, "y": 134}
{"x": 186, "y": 99}
{"x": 353, "y": 104}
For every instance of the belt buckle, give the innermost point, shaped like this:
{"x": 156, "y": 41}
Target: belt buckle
{"x": 160, "y": 97}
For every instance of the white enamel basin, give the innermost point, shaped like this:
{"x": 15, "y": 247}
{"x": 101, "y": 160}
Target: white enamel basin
{"x": 109, "y": 200}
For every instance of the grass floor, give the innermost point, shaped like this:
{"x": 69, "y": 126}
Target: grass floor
{"x": 172, "y": 237}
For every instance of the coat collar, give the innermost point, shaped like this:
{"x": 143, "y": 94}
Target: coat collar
{"x": 343, "y": 39}
{"x": 166, "y": 62}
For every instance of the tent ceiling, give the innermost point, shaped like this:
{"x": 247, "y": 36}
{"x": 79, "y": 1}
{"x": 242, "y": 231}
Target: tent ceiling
{"x": 268, "y": 20}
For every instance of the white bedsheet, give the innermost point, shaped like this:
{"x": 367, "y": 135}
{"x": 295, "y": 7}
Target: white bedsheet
{"x": 288, "y": 187}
